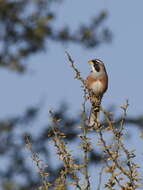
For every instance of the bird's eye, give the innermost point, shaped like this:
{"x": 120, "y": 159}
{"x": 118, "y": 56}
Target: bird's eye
{"x": 97, "y": 67}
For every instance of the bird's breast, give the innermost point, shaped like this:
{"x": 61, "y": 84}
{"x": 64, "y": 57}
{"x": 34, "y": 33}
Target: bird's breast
{"x": 97, "y": 87}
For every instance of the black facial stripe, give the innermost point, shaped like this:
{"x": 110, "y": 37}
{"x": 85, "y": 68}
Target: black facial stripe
{"x": 93, "y": 61}
{"x": 97, "y": 67}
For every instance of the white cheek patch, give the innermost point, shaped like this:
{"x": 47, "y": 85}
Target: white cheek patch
{"x": 97, "y": 87}
{"x": 93, "y": 69}
{"x": 96, "y": 74}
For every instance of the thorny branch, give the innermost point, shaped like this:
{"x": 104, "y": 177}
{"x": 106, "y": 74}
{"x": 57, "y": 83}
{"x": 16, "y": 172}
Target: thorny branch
{"x": 114, "y": 155}
{"x": 70, "y": 168}
{"x": 85, "y": 140}
{"x": 86, "y": 145}
{"x": 77, "y": 73}
{"x": 41, "y": 168}
{"x": 100, "y": 178}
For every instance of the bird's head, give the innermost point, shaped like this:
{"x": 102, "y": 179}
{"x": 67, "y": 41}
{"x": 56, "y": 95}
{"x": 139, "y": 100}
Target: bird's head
{"x": 97, "y": 65}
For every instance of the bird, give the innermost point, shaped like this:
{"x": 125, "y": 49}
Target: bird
{"x": 97, "y": 85}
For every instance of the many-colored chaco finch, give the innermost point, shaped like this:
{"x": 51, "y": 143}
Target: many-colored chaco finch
{"x": 97, "y": 84}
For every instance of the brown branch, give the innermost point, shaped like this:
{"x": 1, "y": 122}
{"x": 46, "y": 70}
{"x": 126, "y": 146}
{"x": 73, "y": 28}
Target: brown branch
{"x": 64, "y": 154}
{"x": 85, "y": 144}
{"x": 41, "y": 168}
{"x": 77, "y": 73}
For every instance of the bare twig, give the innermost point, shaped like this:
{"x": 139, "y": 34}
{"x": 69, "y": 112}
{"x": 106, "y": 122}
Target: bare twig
{"x": 77, "y": 75}
{"x": 85, "y": 145}
{"x": 64, "y": 154}
{"x": 100, "y": 178}
{"x": 41, "y": 168}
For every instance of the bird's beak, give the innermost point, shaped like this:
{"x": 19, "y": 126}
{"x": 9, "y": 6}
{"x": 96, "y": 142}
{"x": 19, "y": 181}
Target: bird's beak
{"x": 90, "y": 62}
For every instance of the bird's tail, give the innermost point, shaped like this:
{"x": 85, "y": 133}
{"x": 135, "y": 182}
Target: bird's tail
{"x": 94, "y": 117}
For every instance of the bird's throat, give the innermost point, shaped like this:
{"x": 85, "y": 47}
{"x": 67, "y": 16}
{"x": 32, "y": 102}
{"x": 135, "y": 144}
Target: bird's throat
{"x": 97, "y": 75}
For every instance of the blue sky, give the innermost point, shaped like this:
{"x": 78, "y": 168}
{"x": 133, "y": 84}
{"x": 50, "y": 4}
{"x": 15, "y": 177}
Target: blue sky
{"x": 123, "y": 59}
{"x": 49, "y": 79}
